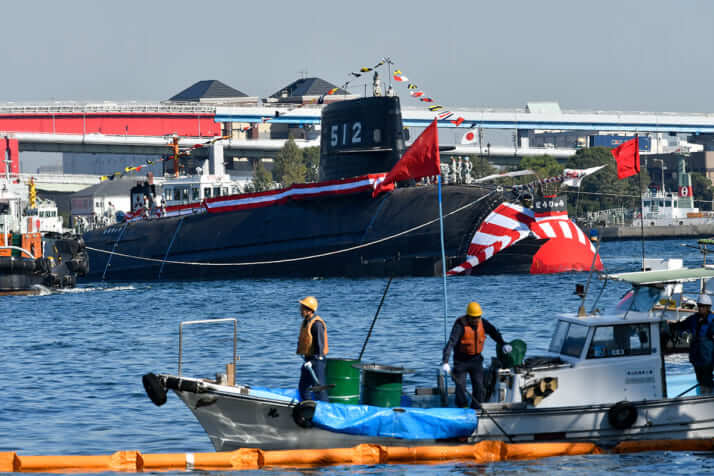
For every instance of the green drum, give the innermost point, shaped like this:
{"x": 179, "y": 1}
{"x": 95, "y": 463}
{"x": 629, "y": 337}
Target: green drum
{"x": 516, "y": 356}
{"x": 345, "y": 378}
{"x": 382, "y": 385}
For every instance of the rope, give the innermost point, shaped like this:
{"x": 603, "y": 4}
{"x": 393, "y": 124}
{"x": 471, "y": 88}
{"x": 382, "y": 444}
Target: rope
{"x": 302, "y": 258}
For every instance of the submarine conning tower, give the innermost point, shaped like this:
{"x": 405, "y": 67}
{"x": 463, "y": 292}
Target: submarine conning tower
{"x": 360, "y": 136}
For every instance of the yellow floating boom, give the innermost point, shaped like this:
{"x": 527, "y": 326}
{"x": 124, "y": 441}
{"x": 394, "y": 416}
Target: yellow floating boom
{"x": 368, "y": 454}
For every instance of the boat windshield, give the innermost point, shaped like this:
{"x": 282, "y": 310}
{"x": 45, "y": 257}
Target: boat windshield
{"x": 620, "y": 341}
{"x": 568, "y": 339}
{"x": 638, "y": 299}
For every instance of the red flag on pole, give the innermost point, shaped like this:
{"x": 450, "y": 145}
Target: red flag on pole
{"x": 627, "y": 156}
{"x": 420, "y": 160}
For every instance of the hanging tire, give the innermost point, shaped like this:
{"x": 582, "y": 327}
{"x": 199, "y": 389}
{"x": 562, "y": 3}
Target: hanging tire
{"x": 622, "y": 415}
{"x": 303, "y": 413}
{"x": 154, "y": 389}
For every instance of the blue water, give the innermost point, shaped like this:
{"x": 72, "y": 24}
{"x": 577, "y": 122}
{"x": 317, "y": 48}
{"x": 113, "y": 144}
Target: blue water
{"x": 72, "y": 361}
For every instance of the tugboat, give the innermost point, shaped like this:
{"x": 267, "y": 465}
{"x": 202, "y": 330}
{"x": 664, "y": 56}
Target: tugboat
{"x": 34, "y": 253}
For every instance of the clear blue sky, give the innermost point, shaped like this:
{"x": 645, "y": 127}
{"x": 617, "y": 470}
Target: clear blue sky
{"x": 651, "y": 55}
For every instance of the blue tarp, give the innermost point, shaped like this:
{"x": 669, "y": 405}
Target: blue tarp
{"x": 288, "y": 394}
{"x": 406, "y": 423}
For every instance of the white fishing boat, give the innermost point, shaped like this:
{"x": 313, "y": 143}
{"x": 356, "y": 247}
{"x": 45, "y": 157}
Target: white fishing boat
{"x": 603, "y": 380}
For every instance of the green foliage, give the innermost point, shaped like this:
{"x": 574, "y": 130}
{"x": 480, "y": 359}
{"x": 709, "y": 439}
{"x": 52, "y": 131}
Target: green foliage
{"x": 544, "y": 166}
{"x": 702, "y": 190}
{"x": 311, "y": 158}
{"x": 481, "y": 167}
{"x": 603, "y": 189}
{"x": 262, "y": 180}
{"x": 288, "y": 166}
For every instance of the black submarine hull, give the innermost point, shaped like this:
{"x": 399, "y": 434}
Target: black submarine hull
{"x": 355, "y": 235}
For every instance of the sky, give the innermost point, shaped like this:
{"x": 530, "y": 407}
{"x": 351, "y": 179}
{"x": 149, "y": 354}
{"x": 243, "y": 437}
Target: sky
{"x": 653, "y": 55}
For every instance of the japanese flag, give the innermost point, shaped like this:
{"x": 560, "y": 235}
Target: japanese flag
{"x": 471, "y": 137}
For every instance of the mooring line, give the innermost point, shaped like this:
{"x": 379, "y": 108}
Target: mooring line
{"x": 301, "y": 258}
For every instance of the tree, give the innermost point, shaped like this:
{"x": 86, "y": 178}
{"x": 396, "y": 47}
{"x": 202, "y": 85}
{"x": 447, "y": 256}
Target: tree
{"x": 288, "y": 166}
{"x": 702, "y": 190}
{"x": 603, "y": 190}
{"x": 311, "y": 158}
{"x": 262, "y": 179}
{"x": 481, "y": 167}
{"x": 544, "y": 166}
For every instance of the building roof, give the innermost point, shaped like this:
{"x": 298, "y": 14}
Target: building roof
{"x": 307, "y": 87}
{"x": 207, "y": 89}
{"x": 110, "y": 187}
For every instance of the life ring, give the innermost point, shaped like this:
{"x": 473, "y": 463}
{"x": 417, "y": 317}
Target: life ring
{"x": 303, "y": 413}
{"x": 622, "y": 415}
{"x": 154, "y": 389}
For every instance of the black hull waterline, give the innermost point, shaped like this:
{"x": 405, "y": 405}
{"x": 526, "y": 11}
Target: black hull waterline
{"x": 274, "y": 239}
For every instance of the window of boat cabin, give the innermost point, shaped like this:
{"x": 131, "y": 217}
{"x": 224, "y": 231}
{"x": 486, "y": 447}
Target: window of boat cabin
{"x": 216, "y": 191}
{"x": 195, "y": 192}
{"x": 207, "y": 192}
{"x": 177, "y": 194}
{"x": 184, "y": 194}
{"x": 620, "y": 341}
{"x": 638, "y": 299}
{"x": 569, "y": 339}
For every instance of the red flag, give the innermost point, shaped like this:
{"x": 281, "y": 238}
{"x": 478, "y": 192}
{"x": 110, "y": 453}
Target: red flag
{"x": 627, "y": 156}
{"x": 420, "y": 160}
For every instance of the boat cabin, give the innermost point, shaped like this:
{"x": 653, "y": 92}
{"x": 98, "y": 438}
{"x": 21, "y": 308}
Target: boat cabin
{"x": 195, "y": 189}
{"x": 602, "y": 358}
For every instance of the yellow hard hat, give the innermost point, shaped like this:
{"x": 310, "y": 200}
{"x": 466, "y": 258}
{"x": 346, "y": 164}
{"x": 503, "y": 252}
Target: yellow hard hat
{"x": 473, "y": 309}
{"x": 310, "y": 302}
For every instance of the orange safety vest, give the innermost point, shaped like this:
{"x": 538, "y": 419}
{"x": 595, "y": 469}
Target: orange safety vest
{"x": 471, "y": 342}
{"x": 304, "y": 346}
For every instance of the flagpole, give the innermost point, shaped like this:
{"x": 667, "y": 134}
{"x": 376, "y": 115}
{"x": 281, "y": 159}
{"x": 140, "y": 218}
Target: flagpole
{"x": 642, "y": 210}
{"x": 443, "y": 254}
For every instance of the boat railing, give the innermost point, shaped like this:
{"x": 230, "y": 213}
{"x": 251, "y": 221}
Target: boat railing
{"x": 17, "y": 248}
{"x": 211, "y": 321}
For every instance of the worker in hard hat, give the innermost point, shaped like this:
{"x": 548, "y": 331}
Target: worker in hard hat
{"x": 312, "y": 345}
{"x": 468, "y": 336}
{"x": 700, "y": 325}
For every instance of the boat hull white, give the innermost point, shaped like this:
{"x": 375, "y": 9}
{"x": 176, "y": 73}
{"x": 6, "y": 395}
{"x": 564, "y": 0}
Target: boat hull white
{"x": 241, "y": 421}
{"x": 674, "y": 418}
{"x": 233, "y": 418}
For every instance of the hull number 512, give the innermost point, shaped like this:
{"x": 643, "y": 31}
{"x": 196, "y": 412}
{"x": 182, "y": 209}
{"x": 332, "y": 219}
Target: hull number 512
{"x": 345, "y": 134}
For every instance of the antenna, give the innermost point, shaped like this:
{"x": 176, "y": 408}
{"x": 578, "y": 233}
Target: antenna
{"x": 584, "y": 292}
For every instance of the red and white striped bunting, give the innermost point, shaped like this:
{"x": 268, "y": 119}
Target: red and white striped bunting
{"x": 301, "y": 191}
{"x": 508, "y": 224}
{"x": 364, "y": 183}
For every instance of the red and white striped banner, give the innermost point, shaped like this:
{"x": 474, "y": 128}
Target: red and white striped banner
{"x": 364, "y": 183}
{"x": 303, "y": 191}
{"x": 508, "y": 224}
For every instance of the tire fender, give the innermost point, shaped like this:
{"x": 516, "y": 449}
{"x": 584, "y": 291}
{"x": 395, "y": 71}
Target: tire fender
{"x": 303, "y": 413}
{"x": 622, "y": 415}
{"x": 154, "y": 389}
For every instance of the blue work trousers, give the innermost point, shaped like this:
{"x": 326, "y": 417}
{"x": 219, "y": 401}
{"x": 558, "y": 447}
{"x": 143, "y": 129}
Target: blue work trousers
{"x": 474, "y": 369}
{"x": 319, "y": 366}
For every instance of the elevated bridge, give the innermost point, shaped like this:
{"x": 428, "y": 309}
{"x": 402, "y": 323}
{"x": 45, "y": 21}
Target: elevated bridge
{"x": 132, "y": 128}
